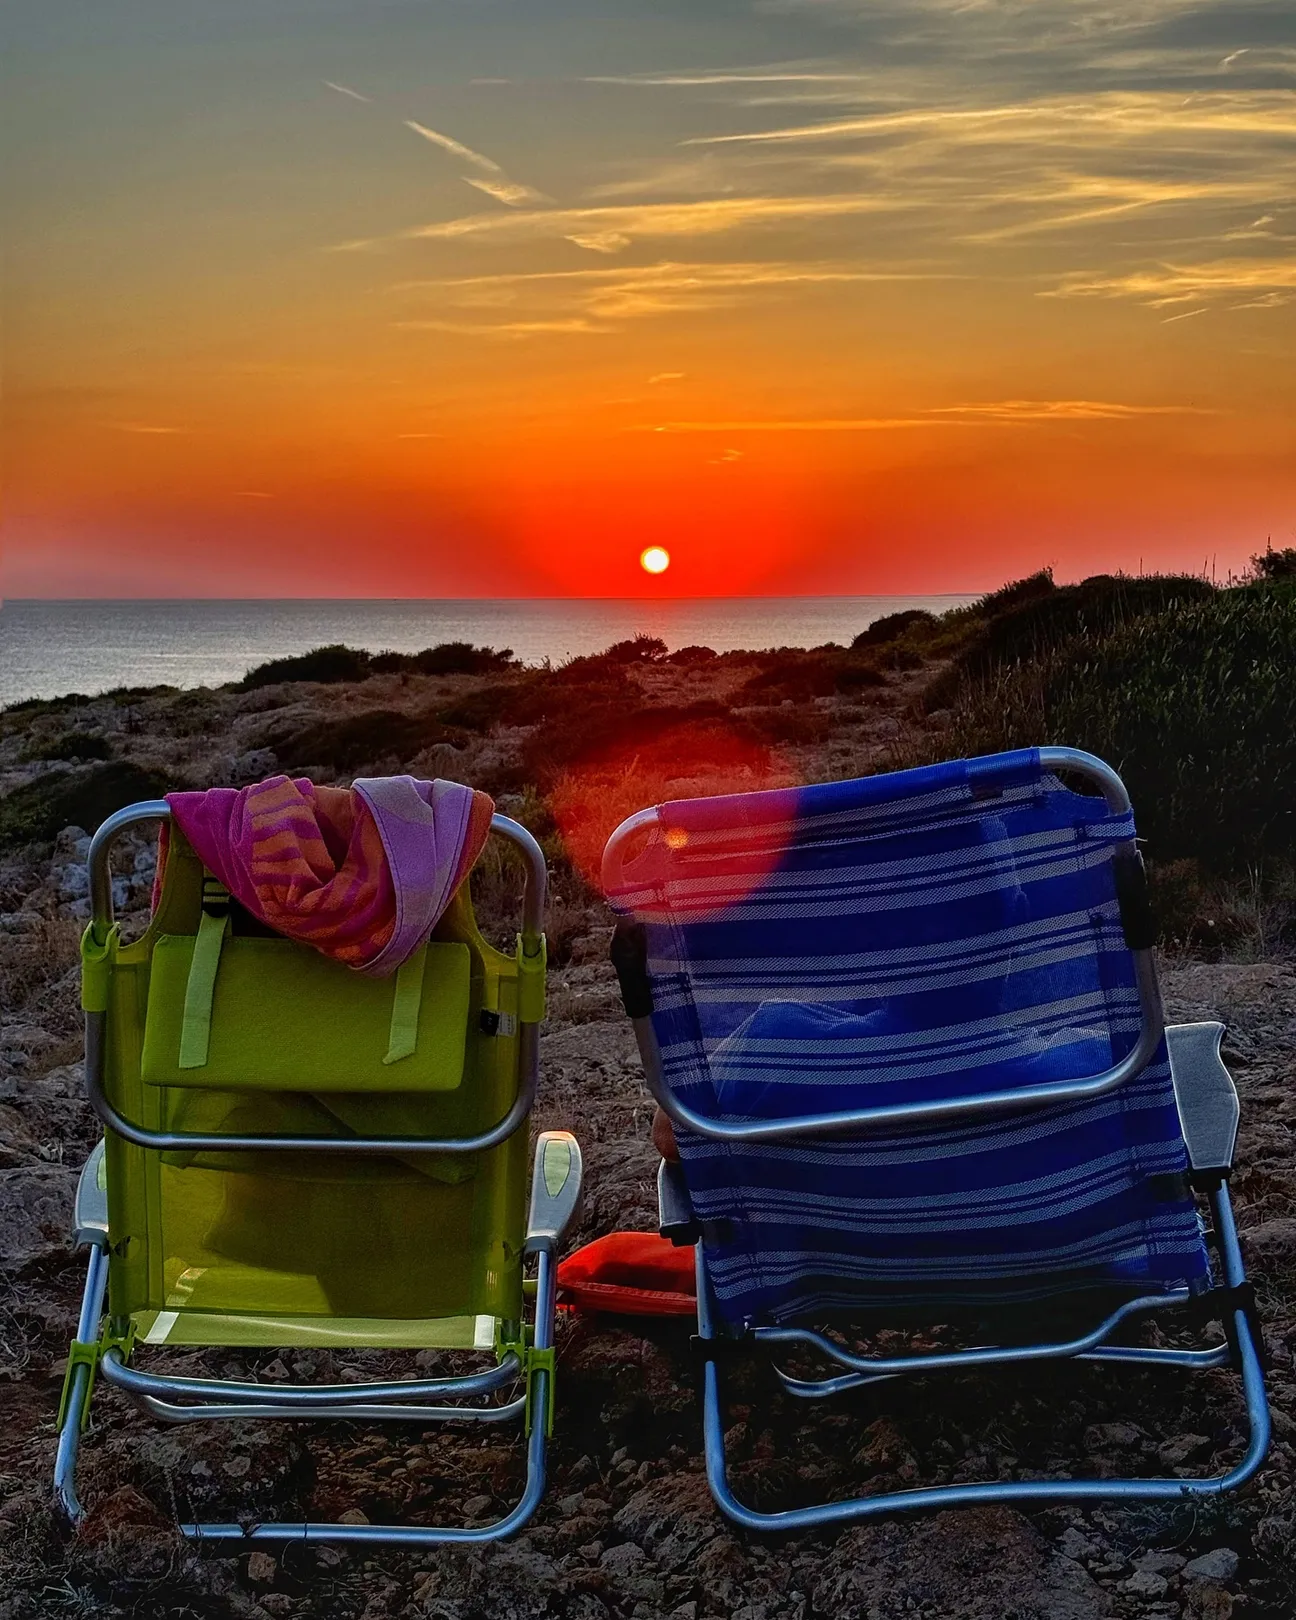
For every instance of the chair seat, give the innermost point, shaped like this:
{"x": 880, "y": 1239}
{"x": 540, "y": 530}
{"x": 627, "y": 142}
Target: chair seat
{"x": 282, "y": 1332}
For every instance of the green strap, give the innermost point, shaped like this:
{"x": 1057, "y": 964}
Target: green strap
{"x": 402, "y": 1038}
{"x": 195, "y": 1031}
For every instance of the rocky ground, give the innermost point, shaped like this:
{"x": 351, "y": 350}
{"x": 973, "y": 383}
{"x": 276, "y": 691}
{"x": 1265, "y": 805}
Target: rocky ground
{"x": 627, "y": 1528}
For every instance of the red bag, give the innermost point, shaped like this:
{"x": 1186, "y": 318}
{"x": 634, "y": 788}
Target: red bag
{"x": 629, "y": 1274}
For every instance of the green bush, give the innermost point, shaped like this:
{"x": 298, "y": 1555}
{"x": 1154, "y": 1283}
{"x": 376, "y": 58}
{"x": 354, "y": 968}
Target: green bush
{"x": 328, "y": 665}
{"x": 354, "y": 742}
{"x": 893, "y": 625}
{"x": 1195, "y": 705}
{"x": 70, "y": 745}
{"x": 39, "y": 810}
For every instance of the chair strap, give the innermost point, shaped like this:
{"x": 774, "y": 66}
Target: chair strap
{"x": 195, "y": 1030}
{"x": 407, "y": 999}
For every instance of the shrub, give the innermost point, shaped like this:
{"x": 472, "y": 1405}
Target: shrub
{"x": 353, "y": 741}
{"x": 328, "y": 665}
{"x": 688, "y": 656}
{"x": 38, "y": 810}
{"x": 891, "y": 626}
{"x": 448, "y": 658}
{"x": 1276, "y": 567}
{"x": 79, "y": 746}
{"x": 1194, "y": 705}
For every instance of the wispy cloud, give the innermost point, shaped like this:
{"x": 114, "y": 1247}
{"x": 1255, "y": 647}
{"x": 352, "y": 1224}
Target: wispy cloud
{"x": 447, "y": 143}
{"x": 495, "y": 184}
{"x": 665, "y": 377}
{"x": 1002, "y": 413}
{"x": 344, "y": 90}
{"x": 146, "y": 427}
{"x": 1165, "y": 284}
{"x": 599, "y": 300}
{"x": 609, "y": 229}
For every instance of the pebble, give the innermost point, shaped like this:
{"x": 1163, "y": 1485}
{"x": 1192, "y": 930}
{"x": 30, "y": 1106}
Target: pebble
{"x": 1145, "y": 1583}
{"x": 1220, "y": 1564}
{"x": 261, "y": 1569}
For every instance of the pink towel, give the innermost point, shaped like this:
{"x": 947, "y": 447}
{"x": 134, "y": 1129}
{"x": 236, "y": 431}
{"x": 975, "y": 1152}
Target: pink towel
{"x": 362, "y": 873}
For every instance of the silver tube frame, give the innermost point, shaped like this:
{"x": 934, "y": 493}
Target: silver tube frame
{"x": 938, "y": 1497}
{"x": 369, "y": 1403}
{"x": 981, "y": 1105}
{"x": 101, "y": 915}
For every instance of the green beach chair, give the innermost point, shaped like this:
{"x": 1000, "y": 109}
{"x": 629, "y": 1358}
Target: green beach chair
{"x": 296, "y": 1155}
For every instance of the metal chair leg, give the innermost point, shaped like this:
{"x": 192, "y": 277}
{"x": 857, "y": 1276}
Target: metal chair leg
{"x": 1013, "y": 1491}
{"x": 80, "y": 1387}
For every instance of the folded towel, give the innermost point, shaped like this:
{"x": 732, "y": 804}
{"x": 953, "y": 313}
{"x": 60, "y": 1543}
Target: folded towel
{"x": 361, "y": 873}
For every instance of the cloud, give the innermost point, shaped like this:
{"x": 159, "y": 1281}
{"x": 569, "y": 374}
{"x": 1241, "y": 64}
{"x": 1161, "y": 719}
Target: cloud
{"x": 1165, "y": 284}
{"x": 666, "y": 376}
{"x": 1004, "y": 412}
{"x": 506, "y": 191}
{"x": 145, "y": 427}
{"x": 599, "y": 300}
{"x": 447, "y": 143}
{"x": 605, "y": 230}
{"x": 345, "y": 90}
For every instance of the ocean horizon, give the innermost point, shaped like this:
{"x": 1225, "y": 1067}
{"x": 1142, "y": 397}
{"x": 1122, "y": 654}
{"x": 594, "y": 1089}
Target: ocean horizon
{"x": 51, "y": 648}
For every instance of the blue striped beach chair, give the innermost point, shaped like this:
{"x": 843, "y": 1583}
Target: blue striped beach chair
{"x": 909, "y": 1034}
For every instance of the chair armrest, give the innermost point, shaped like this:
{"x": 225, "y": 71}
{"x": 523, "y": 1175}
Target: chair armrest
{"x": 555, "y": 1191}
{"x": 90, "y": 1211}
{"x": 1205, "y": 1095}
{"x": 675, "y": 1218}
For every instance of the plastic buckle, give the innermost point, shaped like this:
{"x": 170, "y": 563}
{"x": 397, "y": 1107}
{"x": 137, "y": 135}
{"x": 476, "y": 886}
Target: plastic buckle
{"x": 1242, "y": 1297}
{"x": 89, "y": 1353}
{"x": 541, "y": 1361}
{"x": 531, "y": 982}
{"x": 98, "y": 958}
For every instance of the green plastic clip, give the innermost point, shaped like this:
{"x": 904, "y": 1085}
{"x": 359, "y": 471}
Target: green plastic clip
{"x": 98, "y": 958}
{"x": 541, "y": 1361}
{"x": 89, "y": 1353}
{"x": 531, "y": 982}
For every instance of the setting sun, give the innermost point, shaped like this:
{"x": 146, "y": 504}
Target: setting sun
{"x": 654, "y": 560}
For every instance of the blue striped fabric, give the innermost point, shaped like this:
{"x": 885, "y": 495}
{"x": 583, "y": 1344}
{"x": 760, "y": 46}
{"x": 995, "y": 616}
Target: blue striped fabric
{"x": 921, "y": 935}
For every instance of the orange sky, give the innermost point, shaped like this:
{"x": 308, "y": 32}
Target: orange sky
{"x": 421, "y": 299}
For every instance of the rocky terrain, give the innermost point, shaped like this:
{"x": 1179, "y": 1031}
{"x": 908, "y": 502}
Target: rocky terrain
{"x": 627, "y": 1528}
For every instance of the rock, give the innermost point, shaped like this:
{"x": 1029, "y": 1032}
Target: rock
{"x": 1182, "y": 1449}
{"x": 1145, "y": 1583}
{"x": 254, "y": 766}
{"x": 1206, "y": 1601}
{"x": 1163, "y": 1563}
{"x": 1272, "y": 1240}
{"x": 1220, "y": 1565}
{"x": 353, "y": 1516}
{"x": 476, "y": 1507}
{"x": 35, "y": 1213}
{"x": 261, "y": 1569}
{"x": 980, "y": 1564}
{"x": 672, "y": 1519}
{"x": 1073, "y": 1545}
{"x": 1111, "y": 1437}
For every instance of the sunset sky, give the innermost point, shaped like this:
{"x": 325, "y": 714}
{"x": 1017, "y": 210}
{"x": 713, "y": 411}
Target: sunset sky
{"x": 417, "y": 298}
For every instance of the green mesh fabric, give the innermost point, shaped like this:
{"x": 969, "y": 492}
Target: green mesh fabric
{"x": 307, "y": 1235}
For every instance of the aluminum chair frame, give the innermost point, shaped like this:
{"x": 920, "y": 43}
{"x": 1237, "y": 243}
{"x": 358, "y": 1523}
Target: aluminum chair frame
{"x": 1208, "y": 1108}
{"x": 179, "y": 1400}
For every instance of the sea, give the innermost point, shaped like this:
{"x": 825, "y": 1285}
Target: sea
{"x": 49, "y": 649}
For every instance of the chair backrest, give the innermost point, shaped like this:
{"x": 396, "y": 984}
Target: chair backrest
{"x": 928, "y": 934}
{"x": 309, "y": 1233}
